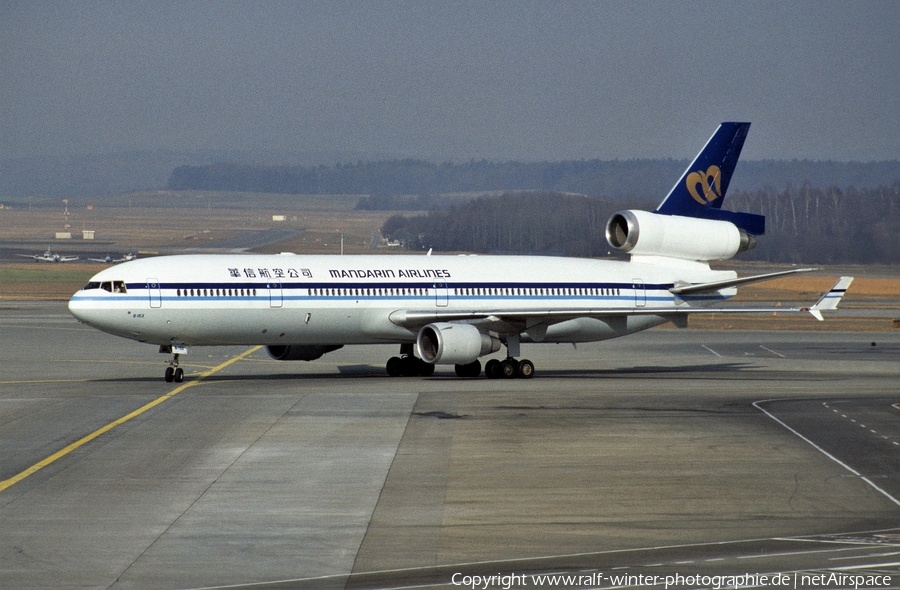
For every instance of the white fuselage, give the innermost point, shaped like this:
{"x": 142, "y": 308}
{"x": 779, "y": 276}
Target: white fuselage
{"x": 316, "y": 299}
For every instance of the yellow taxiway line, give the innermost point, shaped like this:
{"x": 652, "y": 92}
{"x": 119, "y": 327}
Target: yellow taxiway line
{"x": 84, "y": 440}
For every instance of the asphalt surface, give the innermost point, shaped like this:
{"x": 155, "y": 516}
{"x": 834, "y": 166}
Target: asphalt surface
{"x": 672, "y": 452}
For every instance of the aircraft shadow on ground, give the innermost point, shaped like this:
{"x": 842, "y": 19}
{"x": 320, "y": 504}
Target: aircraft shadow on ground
{"x": 377, "y": 372}
{"x": 696, "y": 371}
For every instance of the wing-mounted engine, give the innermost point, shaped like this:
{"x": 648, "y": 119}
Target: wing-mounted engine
{"x": 446, "y": 343}
{"x": 642, "y": 233}
{"x": 300, "y": 352}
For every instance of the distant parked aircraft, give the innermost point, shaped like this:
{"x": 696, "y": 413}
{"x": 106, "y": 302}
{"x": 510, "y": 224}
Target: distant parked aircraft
{"x": 109, "y": 259}
{"x": 49, "y": 256}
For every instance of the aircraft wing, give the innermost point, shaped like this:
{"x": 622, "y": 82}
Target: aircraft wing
{"x": 415, "y": 319}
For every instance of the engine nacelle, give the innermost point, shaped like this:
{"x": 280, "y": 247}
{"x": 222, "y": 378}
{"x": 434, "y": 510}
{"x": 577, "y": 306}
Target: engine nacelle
{"x": 300, "y": 352}
{"x": 454, "y": 344}
{"x": 642, "y": 233}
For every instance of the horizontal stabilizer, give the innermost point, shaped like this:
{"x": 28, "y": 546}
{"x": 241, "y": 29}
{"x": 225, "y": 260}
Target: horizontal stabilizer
{"x": 716, "y": 285}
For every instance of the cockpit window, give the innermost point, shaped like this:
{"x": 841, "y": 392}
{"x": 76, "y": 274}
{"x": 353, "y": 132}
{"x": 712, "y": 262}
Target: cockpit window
{"x": 109, "y": 286}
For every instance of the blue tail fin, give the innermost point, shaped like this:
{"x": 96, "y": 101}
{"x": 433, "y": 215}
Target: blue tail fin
{"x": 701, "y": 189}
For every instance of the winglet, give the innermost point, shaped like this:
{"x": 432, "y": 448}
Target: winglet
{"x": 831, "y": 299}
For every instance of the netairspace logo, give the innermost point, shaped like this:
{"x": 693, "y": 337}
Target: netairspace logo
{"x": 792, "y": 581}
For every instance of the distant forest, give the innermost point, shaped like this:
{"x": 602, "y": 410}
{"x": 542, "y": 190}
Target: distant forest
{"x": 805, "y": 225}
{"x": 825, "y": 226}
{"x": 650, "y": 179}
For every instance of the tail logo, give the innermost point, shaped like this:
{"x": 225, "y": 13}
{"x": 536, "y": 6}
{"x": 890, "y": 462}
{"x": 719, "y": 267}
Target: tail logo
{"x": 711, "y": 190}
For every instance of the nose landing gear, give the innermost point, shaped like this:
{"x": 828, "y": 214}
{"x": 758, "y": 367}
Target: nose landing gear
{"x": 173, "y": 371}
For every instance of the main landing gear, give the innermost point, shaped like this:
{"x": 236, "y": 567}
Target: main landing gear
{"x": 510, "y": 367}
{"x": 472, "y": 369}
{"x": 173, "y": 371}
{"x": 408, "y": 365}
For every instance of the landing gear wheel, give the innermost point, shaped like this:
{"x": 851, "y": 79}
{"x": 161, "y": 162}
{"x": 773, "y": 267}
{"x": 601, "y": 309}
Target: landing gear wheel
{"x": 472, "y": 369}
{"x": 173, "y": 373}
{"x": 508, "y": 368}
{"x": 525, "y": 369}
{"x": 492, "y": 369}
{"x": 409, "y": 366}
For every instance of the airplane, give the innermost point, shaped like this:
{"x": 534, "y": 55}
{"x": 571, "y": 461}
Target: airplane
{"x": 49, "y": 256}
{"x": 110, "y": 260}
{"x": 449, "y": 309}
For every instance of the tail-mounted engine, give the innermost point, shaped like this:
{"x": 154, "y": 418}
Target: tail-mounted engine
{"x": 641, "y": 233}
{"x": 445, "y": 343}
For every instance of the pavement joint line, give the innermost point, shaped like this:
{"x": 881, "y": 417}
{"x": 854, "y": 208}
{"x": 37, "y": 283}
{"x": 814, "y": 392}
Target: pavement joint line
{"x": 103, "y": 430}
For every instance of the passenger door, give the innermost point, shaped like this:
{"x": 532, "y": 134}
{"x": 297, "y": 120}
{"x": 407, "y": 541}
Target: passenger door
{"x": 155, "y": 293}
{"x": 441, "y": 295}
{"x": 276, "y": 295}
{"x": 640, "y": 293}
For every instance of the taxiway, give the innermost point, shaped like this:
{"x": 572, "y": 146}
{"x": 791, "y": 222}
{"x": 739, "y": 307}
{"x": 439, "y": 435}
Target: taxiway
{"x": 642, "y": 455}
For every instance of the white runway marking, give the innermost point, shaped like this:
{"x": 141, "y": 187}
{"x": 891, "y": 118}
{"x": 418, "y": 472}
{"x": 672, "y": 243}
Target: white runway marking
{"x": 711, "y": 350}
{"x": 826, "y": 453}
{"x": 772, "y": 351}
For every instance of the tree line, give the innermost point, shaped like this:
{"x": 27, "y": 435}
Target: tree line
{"x": 641, "y": 178}
{"x": 548, "y": 223}
{"x": 803, "y": 225}
{"x": 825, "y": 226}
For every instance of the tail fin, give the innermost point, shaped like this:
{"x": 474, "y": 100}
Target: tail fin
{"x": 701, "y": 189}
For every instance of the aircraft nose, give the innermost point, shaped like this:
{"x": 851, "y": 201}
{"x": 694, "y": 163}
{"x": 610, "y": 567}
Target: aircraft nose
{"x": 90, "y": 313}
{"x": 76, "y": 307}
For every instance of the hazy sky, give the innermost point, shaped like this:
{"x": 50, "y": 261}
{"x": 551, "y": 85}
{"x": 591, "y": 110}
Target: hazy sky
{"x": 451, "y": 80}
